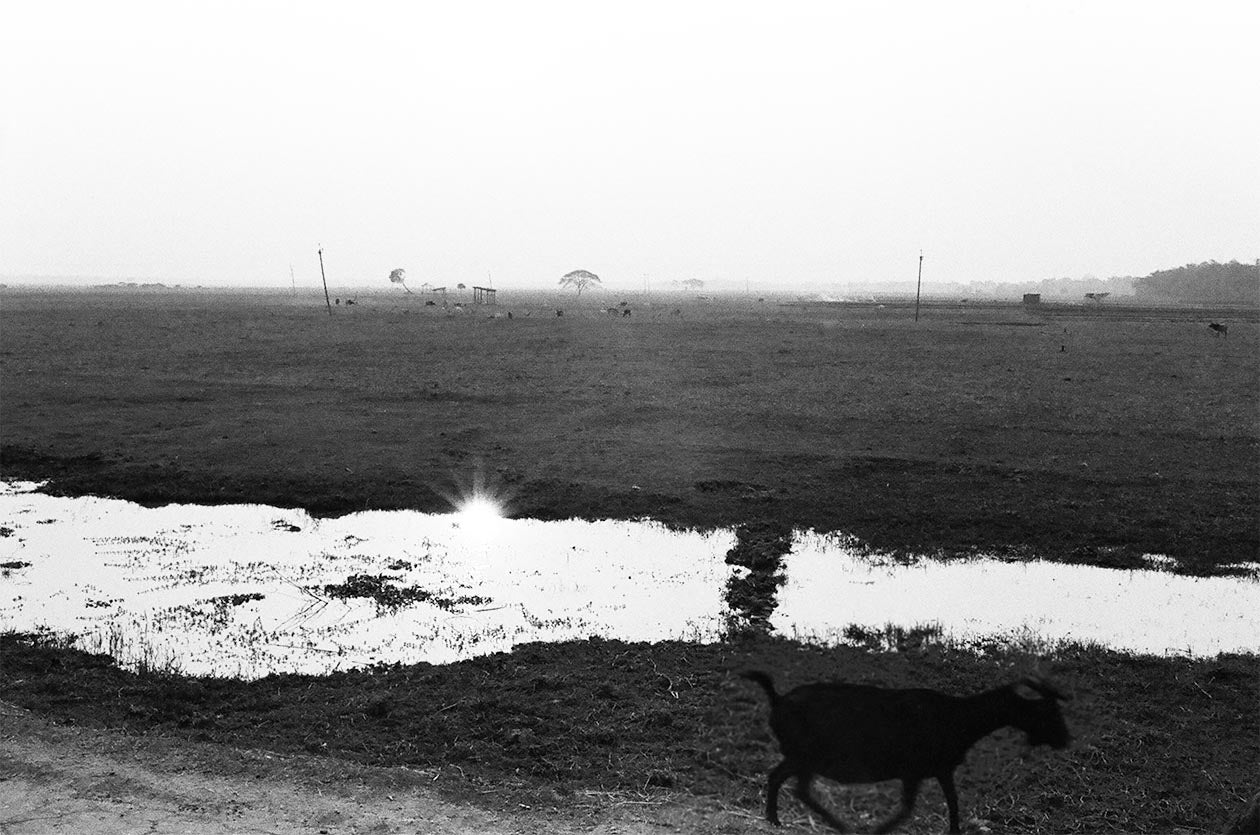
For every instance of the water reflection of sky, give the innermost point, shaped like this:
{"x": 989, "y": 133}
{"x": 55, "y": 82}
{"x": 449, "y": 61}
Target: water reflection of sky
{"x": 149, "y": 585}
{"x": 1153, "y": 611}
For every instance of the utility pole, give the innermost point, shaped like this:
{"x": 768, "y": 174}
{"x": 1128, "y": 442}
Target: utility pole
{"x": 918, "y": 288}
{"x": 293, "y": 280}
{"x": 327, "y": 300}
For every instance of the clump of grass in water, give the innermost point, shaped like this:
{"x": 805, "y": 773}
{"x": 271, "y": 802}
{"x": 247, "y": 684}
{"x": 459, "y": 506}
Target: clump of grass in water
{"x": 227, "y": 601}
{"x": 140, "y": 655}
{"x": 378, "y": 587}
{"x": 894, "y": 638}
{"x": 752, "y": 598}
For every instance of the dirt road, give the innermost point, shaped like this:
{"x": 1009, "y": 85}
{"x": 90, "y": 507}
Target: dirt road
{"x": 70, "y": 779}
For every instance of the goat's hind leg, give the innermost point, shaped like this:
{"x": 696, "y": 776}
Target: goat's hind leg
{"x": 803, "y": 779}
{"x": 780, "y": 773}
{"x": 951, "y": 798}
{"x": 909, "y": 791}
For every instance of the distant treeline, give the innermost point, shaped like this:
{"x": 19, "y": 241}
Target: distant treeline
{"x": 1063, "y": 288}
{"x": 1210, "y": 282}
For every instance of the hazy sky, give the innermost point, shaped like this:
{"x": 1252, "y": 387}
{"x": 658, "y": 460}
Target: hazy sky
{"x": 777, "y": 142}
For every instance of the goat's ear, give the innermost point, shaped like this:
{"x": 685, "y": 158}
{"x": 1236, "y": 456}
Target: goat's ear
{"x": 1044, "y": 688}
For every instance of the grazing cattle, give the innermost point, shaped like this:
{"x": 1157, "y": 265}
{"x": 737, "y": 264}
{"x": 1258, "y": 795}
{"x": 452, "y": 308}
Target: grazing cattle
{"x": 430, "y": 303}
{"x": 350, "y": 302}
{"x": 1219, "y": 329}
{"x": 625, "y": 313}
{"x": 559, "y": 312}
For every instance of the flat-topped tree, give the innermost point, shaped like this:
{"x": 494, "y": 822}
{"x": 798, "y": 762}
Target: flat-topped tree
{"x": 581, "y": 279}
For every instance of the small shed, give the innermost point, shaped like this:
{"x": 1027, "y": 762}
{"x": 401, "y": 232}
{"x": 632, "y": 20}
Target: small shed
{"x": 483, "y": 295}
{"x": 1032, "y": 298}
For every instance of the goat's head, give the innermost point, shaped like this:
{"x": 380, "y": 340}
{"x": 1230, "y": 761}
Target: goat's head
{"x": 1039, "y": 715}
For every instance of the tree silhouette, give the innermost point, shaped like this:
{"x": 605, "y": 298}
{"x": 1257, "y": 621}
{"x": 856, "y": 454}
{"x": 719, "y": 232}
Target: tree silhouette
{"x": 580, "y": 279}
{"x": 399, "y": 276}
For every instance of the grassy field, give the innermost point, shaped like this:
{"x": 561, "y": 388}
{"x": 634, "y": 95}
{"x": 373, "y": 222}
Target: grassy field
{"x": 1080, "y": 434}
{"x": 1086, "y": 434}
{"x": 1160, "y": 745}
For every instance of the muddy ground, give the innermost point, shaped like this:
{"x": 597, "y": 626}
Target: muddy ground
{"x": 66, "y": 778}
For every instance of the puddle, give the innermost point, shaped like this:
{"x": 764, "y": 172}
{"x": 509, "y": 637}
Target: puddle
{"x": 1154, "y": 612}
{"x": 245, "y": 590}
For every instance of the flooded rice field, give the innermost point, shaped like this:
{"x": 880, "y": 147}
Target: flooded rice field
{"x": 246, "y": 590}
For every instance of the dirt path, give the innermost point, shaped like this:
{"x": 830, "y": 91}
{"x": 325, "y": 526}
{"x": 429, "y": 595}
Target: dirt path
{"x": 68, "y": 779}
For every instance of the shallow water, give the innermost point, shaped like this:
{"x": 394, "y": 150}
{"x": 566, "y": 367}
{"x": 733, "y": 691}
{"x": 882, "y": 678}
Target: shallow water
{"x": 1153, "y": 611}
{"x": 239, "y": 590}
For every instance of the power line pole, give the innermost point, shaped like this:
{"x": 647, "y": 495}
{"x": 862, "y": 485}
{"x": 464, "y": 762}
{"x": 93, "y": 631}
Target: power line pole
{"x": 327, "y": 300}
{"x": 919, "y": 288}
{"x": 292, "y": 280}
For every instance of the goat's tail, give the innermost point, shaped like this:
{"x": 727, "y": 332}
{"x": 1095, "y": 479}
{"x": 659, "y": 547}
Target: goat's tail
{"x": 765, "y": 681}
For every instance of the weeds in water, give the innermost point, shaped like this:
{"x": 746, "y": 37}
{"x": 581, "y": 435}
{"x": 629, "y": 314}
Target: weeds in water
{"x": 389, "y": 597}
{"x": 131, "y": 651}
{"x": 894, "y": 638}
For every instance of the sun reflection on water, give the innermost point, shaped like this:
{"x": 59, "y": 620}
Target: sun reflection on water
{"x": 242, "y": 589}
{"x": 479, "y": 510}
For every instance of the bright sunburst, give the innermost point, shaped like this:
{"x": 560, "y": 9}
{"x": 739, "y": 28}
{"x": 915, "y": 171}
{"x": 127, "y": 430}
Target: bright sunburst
{"x": 480, "y": 507}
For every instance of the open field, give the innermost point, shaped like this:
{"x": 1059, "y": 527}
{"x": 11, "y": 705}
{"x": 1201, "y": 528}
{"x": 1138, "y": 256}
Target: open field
{"x": 1078, "y": 434}
{"x": 1082, "y": 434}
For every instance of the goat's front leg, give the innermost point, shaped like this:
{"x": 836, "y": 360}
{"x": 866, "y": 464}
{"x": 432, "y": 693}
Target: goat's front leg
{"x": 909, "y": 791}
{"x": 946, "y": 779}
{"x": 803, "y": 780}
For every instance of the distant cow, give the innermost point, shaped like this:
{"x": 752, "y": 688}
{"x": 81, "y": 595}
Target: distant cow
{"x": 1221, "y": 330}
{"x": 559, "y": 312}
{"x": 625, "y": 313}
{"x": 351, "y": 301}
